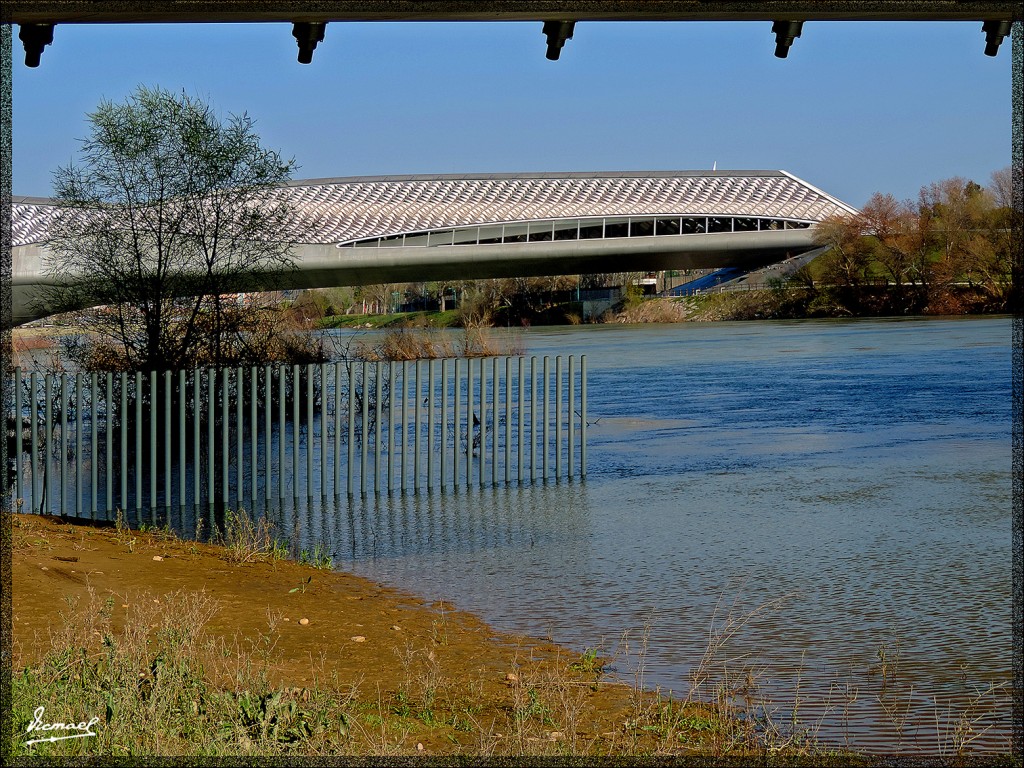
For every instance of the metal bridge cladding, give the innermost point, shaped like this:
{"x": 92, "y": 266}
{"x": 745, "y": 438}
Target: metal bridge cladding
{"x": 381, "y": 229}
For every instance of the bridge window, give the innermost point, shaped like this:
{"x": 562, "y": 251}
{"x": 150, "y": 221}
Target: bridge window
{"x": 567, "y": 230}
{"x": 516, "y": 233}
{"x": 416, "y": 238}
{"x": 441, "y": 237}
{"x": 466, "y": 236}
{"x": 666, "y": 227}
{"x": 616, "y": 228}
{"x": 541, "y": 231}
{"x": 641, "y": 227}
{"x": 490, "y": 235}
{"x": 582, "y": 229}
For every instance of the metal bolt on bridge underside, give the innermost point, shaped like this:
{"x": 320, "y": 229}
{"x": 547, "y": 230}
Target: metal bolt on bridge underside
{"x": 557, "y": 32}
{"x": 307, "y": 34}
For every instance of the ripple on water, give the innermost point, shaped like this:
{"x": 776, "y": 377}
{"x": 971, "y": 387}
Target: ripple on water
{"x": 843, "y": 489}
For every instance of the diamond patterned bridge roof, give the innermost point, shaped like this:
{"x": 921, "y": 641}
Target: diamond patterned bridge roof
{"x": 343, "y": 209}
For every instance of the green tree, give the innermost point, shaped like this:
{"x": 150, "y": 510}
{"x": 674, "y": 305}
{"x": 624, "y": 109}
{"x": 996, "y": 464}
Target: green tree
{"x": 169, "y": 215}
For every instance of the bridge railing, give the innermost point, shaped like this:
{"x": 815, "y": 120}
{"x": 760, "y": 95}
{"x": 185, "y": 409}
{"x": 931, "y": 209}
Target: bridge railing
{"x": 88, "y": 444}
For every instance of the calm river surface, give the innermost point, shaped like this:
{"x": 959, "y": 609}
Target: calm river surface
{"x": 840, "y": 490}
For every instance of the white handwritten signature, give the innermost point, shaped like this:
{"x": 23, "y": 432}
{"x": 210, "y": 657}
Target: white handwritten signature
{"x": 84, "y": 728}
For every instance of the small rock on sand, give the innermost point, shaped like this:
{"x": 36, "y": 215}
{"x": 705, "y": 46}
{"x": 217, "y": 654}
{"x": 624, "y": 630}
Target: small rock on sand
{"x": 157, "y": 558}
{"x": 303, "y": 621}
{"x": 358, "y": 639}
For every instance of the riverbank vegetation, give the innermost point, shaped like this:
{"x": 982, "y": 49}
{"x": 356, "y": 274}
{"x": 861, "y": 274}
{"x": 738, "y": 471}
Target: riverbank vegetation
{"x": 166, "y": 210}
{"x": 189, "y": 649}
{"x": 249, "y": 647}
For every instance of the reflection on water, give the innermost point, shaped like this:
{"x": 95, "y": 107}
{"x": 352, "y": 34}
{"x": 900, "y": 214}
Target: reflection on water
{"x": 845, "y": 487}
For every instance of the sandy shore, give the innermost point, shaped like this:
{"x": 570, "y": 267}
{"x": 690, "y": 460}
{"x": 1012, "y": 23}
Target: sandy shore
{"x": 324, "y": 624}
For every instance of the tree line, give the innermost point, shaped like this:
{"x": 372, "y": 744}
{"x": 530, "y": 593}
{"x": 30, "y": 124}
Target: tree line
{"x": 947, "y": 252}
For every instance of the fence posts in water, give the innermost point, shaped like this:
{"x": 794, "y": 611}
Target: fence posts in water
{"x": 464, "y": 416}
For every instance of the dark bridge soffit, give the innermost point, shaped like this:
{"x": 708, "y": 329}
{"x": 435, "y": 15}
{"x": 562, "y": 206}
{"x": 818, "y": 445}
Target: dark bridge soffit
{"x": 110, "y": 11}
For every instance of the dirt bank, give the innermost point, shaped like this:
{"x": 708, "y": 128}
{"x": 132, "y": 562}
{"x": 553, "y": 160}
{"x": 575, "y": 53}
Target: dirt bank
{"x": 378, "y": 644}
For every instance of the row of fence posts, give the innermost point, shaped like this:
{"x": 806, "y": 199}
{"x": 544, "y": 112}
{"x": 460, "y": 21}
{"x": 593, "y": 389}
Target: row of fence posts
{"x": 91, "y": 443}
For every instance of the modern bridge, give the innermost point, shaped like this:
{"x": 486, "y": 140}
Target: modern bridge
{"x": 388, "y": 229}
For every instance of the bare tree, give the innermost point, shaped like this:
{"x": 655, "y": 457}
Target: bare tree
{"x": 170, "y": 214}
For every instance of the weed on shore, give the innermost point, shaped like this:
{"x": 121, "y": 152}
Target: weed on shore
{"x": 158, "y": 683}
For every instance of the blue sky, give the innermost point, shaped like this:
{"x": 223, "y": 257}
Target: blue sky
{"x": 856, "y": 108}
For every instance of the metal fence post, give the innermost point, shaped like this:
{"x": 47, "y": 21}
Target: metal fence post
{"x": 583, "y": 416}
{"x": 364, "y": 429}
{"x": 254, "y": 436}
{"x": 239, "y": 435}
{"x": 377, "y": 420}
{"x": 571, "y": 415}
{"x": 508, "y": 418}
{"x": 78, "y": 444}
{"x": 123, "y": 464}
{"x": 309, "y": 431}
{"x": 19, "y": 488}
{"x": 546, "y": 394}
{"x": 392, "y": 373}
{"x": 48, "y": 418}
{"x": 225, "y": 439}
{"x": 519, "y": 420}
{"x": 167, "y": 441}
{"x": 483, "y": 423}
{"x": 323, "y": 430}
{"x": 403, "y": 428}
{"x": 267, "y": 424}
{"x": 33, "y": 383}
{"x": 182, "y": 457}
{"x": 430, "y": 424}
{"x": 558, "y": 417}
{"x": 417, "y": 410}
{"x": 337, "y": 429}
{"x": 62, "y": 454}
{"x": 470, "y": 415}
{"x": 196, "y": 462}
{"x": 211, "y": 404}
{"x": 494, "y": 421}
{"x": 443, "y": 437}
{"x": 533, "y": 419}
{"x": 456, "y": 397}
{"x": 296, "y": 391}
{"x": 351, "y": 425}
{"x": 281, "y": 407}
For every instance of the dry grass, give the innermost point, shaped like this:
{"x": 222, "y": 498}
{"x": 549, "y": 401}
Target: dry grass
{"x": 161, "y": 684}
{"x": 432, "y": 344}
{"x": 245, "y": 539}
{"x": 654, "y": 311}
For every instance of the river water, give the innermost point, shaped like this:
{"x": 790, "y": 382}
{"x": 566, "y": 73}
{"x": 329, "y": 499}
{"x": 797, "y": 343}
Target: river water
{"x": 831, "y": 499}
{"x": 818, "y": 509}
